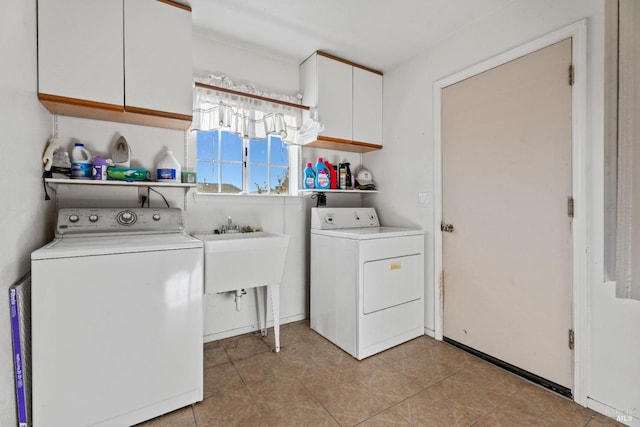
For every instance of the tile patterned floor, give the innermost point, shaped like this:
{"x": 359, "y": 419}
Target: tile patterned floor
{"x": 311, "y": 382}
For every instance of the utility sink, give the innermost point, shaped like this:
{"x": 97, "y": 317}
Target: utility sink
{"x": 235, "y": 261}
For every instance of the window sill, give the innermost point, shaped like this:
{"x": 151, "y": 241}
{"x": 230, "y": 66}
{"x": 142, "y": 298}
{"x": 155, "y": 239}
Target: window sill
{"x": 301, "y": 194}
{"x": 205, "y": 194}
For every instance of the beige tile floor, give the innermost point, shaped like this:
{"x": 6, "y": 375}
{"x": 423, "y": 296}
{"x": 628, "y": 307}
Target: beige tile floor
{"x": 311, "y": 382}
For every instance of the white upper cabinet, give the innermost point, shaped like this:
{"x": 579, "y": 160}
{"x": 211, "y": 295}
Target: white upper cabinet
{"x": 157, "y": 57}
{"x": 367, "y": 106}
{"x": 335, "y": 102}
{"x": 124, "y": 61}
{"x": 80, "y": 50}
{"x": 348, "y": 100}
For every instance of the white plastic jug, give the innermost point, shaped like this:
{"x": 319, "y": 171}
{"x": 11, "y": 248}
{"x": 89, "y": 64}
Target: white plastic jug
{"x": 168, "y": 168}
{"x": 80, "y": 162}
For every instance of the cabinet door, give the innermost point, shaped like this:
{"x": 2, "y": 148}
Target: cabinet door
{"x": 158, "y": 60}
{"x": 335, "y": 98}
{"x": 367, "y": 106}
{"x": 80, "y": 50}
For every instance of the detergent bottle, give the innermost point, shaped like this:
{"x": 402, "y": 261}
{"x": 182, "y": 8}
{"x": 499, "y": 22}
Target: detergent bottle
{"x": 168, "y": 169}
{"x": 323, "y": 175}
{"x": 80, "y": 162}
{"x": 333, "y": 176}
{"x": 309, "y": 177}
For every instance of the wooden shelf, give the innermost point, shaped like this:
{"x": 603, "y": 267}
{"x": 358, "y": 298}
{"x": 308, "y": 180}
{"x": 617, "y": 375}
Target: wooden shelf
{"x": 72, "y": 107}
{"x": 65, "y": 181}
{"x": 342, "y": 145}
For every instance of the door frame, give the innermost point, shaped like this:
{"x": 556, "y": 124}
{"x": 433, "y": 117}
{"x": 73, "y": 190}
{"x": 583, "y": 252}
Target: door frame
{"x": 580, "y": 303}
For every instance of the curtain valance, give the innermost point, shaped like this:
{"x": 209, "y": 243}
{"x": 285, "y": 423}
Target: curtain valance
{"x": 246, "y": 116}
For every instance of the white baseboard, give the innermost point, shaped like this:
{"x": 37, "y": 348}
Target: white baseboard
{"x": 622, "y": 416}
{"x": 251, "y": 328}
{"x": 429, "y": 332}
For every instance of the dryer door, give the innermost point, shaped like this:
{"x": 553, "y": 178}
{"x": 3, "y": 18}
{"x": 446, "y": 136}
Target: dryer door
{"x": 390, "y": 282}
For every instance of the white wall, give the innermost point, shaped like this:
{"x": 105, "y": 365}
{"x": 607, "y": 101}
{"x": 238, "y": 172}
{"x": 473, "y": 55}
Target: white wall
{"x": 25, "y": 216}
{"x": 405, "y": 167}
{"x": 243, "y": 65}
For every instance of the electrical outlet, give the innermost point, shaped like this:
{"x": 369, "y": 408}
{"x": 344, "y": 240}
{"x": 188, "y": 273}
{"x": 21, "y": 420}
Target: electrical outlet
{"x": 142, "y": 195}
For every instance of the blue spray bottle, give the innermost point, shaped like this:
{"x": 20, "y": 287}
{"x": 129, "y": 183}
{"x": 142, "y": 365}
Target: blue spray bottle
{"x": 323, "y": 175}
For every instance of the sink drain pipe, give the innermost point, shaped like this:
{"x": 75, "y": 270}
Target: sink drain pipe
{"x": 239, "y": 294}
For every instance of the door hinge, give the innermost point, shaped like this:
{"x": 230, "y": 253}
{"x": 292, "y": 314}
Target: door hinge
{"x": 572, "y": 339}
{"x": 442, "y": 287}
{"x": 570, "y": 207}
{"x": 571, "y": 75}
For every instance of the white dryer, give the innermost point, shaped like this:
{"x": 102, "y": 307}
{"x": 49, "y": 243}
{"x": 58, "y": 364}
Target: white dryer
{"x": 116, "y": 304}
{"x": 367, "y": 281}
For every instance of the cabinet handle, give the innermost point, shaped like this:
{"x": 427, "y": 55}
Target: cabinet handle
{"x": 395, "y": 266}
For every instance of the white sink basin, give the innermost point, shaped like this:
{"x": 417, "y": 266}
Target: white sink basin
{"x": 242, "y": 260}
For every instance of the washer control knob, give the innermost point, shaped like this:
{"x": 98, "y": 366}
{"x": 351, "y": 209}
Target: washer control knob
{"x": 126, "y": 218}
{"x": 93, "y": 218}
{"x": 74, "y": 218}
{"x": 328, "y": 219}
{"x": 156, "y": 217}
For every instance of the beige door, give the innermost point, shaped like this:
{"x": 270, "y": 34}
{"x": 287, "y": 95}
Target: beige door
{"x": 506, "y": 165}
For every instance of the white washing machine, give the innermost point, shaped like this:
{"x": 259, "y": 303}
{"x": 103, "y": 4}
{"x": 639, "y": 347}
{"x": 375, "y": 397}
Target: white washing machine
{"x": 367, "y": 281}
{"x": 116, "y": 303}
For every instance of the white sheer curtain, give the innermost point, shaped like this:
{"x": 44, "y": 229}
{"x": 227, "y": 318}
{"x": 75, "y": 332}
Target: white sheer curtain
{"x": 628, "y": 224}
{"x": 244, "y": 115}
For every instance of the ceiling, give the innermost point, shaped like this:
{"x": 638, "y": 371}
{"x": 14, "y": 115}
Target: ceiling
{"x": 376, "y": 33}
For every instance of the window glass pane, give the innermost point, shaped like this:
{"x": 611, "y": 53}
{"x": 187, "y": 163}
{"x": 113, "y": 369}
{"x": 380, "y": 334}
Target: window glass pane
{"x": 207, "y": 172}
{"x": 258, "y": 151}
{"x": 279, "y": 180}
{"x": 279, "y": 152}
{"x": 231, "y": 147}
{"x": 258, "y": 176}
{"x": 207, "y": 145}
{"x": 231, "y": 177}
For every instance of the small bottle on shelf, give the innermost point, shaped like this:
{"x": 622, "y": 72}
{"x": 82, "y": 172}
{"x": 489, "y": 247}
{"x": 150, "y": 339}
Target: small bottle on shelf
{"x": 309, "y": 177}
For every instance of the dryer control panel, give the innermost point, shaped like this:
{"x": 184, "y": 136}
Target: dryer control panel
{"x": 338, "y": 218}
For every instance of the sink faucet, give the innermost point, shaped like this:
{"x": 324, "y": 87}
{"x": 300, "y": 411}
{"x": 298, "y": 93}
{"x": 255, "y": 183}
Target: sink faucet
{"x": 230, "y": 228}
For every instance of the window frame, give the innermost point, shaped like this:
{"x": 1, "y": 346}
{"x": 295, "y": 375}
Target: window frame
{"x": 293, "y": 154}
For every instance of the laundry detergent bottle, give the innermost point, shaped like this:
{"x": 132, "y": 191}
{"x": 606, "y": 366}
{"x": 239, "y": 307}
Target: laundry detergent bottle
{"x": 323, "y": 175}
{"x": 333, "y": 176}
{"x": 80, "y": 162}
{"x": 309, "y": 177}
{"x": 168, "y": 168}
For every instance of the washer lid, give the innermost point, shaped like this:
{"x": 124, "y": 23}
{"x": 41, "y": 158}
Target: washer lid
{"x": 88, "y": 245}
{"x": 367, "y": 233}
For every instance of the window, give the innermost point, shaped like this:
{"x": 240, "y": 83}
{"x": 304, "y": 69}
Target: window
{"x": 245, "y": 138}
{"x": 228, "y": 163}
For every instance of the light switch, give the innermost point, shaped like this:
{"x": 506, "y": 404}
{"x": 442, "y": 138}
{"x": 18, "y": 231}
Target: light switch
{"x": 424, "y": 199}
